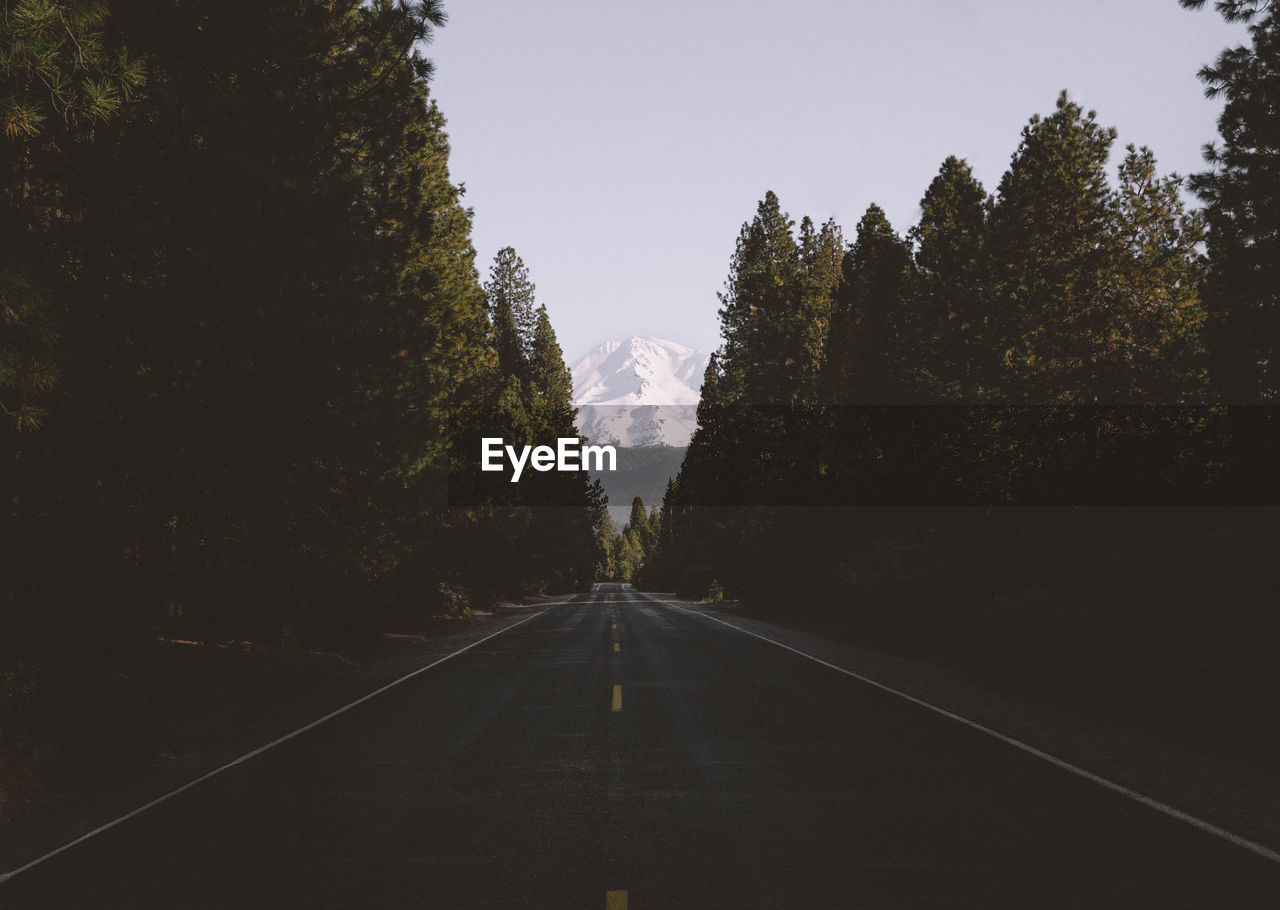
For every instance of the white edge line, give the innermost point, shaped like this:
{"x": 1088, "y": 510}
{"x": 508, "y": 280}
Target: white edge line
{"x": 4, "y": 877}
{"x": 1134, "y": 795}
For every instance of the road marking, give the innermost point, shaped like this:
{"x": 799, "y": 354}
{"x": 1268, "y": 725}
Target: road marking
{"x": 617, "y": 698}
{"x": 1166, "y": 809}
{"x": 4, "y": 877}
{"x": 616, "y": 647}
{"x": 615, "y": 900}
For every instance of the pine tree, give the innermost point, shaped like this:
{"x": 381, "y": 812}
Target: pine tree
{"x": 864, "y": 351}
{"x": 639, "y": 525}
{"x": 953, "y": 330}
{"x": 1152, "y": 352}
{"x": 761, "y": 320}
{"x": 1093, "y": 289}
{"x": 270, "y": 349}
{"x": 1241, "y": 191}
{"x": 821, "y": 255}
{"x": 550, "y": 381}
{"x": 569, "y": 507}
{"x": 509, "y": 293}
{"x": 607, "y": 547}
{"x": 60, "y": 77}
{"x": 1050, "y": 253}
{"x": 628, "y": 554}
{"x": 700, "y": 473}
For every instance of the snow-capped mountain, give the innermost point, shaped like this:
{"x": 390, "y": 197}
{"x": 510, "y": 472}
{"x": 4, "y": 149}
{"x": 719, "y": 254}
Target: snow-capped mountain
{"x": 638, "y": 392}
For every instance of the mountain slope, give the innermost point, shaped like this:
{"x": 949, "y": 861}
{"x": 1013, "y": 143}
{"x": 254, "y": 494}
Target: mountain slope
{"x": 638, "y": 392}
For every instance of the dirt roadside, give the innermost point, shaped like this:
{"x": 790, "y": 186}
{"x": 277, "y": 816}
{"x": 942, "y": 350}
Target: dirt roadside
{"x": 220, "y": 707}
{"x": 1232, "y": 793}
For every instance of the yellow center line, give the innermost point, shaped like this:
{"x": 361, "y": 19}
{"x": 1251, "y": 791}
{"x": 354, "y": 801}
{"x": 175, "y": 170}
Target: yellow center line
{"x": 615, "y": 900}
{"x": 617, "y": 698}
{"x": 616, "y": 647}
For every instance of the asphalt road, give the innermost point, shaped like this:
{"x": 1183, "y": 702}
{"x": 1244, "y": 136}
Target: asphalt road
{"x": 619, "y": 752}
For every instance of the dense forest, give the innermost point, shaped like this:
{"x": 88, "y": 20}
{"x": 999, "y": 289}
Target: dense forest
{"x": 1037, "y": 432}
{"x": 245, "y": 349}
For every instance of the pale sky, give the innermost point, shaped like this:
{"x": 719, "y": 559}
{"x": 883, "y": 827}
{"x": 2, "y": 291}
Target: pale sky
{"x": 619, "y": 147}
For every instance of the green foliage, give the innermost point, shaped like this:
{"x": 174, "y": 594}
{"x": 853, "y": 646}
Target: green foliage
{"x": 1235, "y": 10}
{"x": 59, "y": 78}
{"x": 1093, "y": 289}
{"x": 559, "y": 542}
{"x": 776, "y": 307}
{"x": 866, "y": 346}
{"x": 760, "y": 306}
{"x": 1063, "y": 294}
{"x": 1239, "y": 190}
{"x": 607, "y": 557}
{"x": 821, "y": 257}
{"x": 454, "y": 600}
{"x": 57, "y": 70}
{"x": 509, "y": 295}
{"x": 1154, "y": 352}
{"x": 952, "y": 330}
{"x": 1048, "y": 249}
{"x": 550, "y": 380}
{"x": 642, "y": 471}
{"x": 243, "y": 332}
{"x": 639, "y": 520}
{"x": 628, "y": 551}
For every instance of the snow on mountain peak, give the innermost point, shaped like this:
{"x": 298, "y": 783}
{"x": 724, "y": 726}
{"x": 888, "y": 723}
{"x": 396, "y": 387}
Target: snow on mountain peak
{"x": 637, "y": 392}
{"x": 638, "y": 371}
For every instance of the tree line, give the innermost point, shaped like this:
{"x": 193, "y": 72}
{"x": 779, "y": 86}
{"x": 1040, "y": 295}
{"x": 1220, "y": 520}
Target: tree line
{"x": 622, "y": 553}
{"x": 986, "y": 434}
{"x": 245, "y": 351}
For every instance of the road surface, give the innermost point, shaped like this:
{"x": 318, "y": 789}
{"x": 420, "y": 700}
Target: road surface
{"x": 617, "y": 751}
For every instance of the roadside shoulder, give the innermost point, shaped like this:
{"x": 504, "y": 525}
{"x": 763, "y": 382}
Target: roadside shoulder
{"x": 312, "y": 686}
{"x": 1229, "y": 793}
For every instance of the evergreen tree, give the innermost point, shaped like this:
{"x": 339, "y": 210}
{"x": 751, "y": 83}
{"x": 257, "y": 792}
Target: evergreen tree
{"x": 630, "y": 553}
{"x": 640, "y": 526}
{"x": 509, "y": 293}
{"x": 1241, "y": 191}
{"x": 821, "y": 255}
{"x": 953, "y": 332}
{"x": 550, "y": 381}
{"x": 711, "y": 407}
{"x": 864, "y": 352}
{"x": 1050, "y": 254}
{"x": 60, "y": 78}
{"x": 243, "y": 340}
{"x": 569, "y": 509}
{"x": 763, "y": 324}
{"x": 268, "y": 352}
{"x": 607, "y": 559}
{"x": 1152, "y": 352}
{"x": 1093, "y": 289}
{"x": 639, "y": 518}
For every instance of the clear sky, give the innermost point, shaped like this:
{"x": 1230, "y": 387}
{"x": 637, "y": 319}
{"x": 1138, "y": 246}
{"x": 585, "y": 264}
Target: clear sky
{"x": 619, "y": 147}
